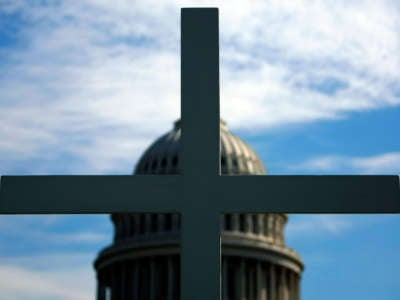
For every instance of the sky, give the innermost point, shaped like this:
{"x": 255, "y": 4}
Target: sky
{"x": 312, "y": 86}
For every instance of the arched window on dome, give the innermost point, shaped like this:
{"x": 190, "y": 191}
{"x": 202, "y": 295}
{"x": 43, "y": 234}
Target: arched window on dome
{"x": 223, "y": 161}
{"x": 175, "y": 161}
{"x": 154, "y": 165}
{"x": 163, "y": 164}
{"x": 234, "y": 163}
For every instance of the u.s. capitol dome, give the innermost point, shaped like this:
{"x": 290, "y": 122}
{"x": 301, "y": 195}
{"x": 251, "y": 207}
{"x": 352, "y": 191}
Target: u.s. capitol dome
{"x": 143, "y": 263}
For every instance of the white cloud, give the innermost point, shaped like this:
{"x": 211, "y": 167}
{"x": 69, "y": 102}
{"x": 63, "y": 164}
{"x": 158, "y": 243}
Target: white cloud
{"x": 8, "y": 222}
{"x": 98, "y": 81}
{"x": 46, "y": 230}
{"x": 331, "y": 225}
{"x": 61, "y": 270}
{"x": 386, "y": 163}
{"x": 20, "y": 283}
{"x": 60, "y": 260}
{"x": 81, "y": 237}
{"x": 320, "y": 224}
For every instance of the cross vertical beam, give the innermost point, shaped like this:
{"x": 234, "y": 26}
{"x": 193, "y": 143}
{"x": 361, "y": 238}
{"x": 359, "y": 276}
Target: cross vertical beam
{"x": 200, "y": 230}
{"x": 200, "y": 92}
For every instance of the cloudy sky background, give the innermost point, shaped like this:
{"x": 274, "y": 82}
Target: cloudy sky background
{"x": 313, "y": 86}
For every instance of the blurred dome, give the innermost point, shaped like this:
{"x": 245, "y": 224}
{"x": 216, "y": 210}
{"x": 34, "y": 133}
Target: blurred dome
{"x": 143, "y": 262}
{"x": 237, "y": 157}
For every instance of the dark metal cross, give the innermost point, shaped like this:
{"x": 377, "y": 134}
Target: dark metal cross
{"x": 200, "y": 194}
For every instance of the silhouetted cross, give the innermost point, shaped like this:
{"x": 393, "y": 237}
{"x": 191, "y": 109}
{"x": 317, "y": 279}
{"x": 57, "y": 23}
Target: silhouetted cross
{"x": 200, "y": 194}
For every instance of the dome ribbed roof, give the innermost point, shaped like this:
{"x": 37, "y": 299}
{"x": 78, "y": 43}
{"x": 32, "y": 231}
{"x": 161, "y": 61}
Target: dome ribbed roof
{"x": 237, "y": 157}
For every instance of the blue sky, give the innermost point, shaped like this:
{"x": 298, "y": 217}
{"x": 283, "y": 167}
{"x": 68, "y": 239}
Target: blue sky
{"x": 313, "y": 86}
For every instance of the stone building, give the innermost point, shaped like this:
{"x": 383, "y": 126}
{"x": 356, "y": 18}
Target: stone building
{"x": 143, "y": 263}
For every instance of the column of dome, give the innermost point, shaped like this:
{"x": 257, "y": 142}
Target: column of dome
{"x": 241, "y": 280}
{"x": 135, "y": 278}
{"x": 224, "y": 278}
{"x": 283, "y": 284}
{"x": 261, "y": 282}
{"x": 292, "y": 286}
{"x": 272, "y": 282}
{"x": 152, "y": 271}
{"x": 101, "y": 286}
{"x": 141, "y": 225}
{"x": 161, "y": 223}
{"x": 269, "y": 227}
{"x": 253, "y": 279}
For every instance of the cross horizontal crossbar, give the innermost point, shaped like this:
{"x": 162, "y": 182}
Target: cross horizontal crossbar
{"x": 163, "y": 193}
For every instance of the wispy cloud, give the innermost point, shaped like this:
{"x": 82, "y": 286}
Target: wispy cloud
{"x": 386, "y": 163}
{"x": 42, "y": 257}
{"x": 320, "y": 225}
{"x": 60, "y": 260}
{"x": 55, "y": 232}
{"x": 331, "y": 225}
{"x": 19, "y": 283}
{"x": 80, "y": 237}
{"x": 96, "y": 82}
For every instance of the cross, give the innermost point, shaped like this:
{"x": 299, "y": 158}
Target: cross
{"x": 200, "y": 194}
